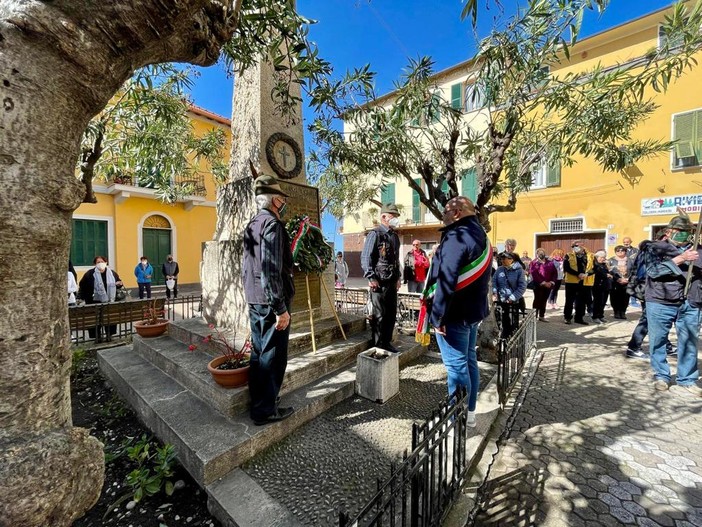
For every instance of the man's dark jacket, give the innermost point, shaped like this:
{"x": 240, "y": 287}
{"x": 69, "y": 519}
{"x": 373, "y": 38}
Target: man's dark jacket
{"x": 277, "y": 289}
{"x": 665, "y": 281}
{"x": 462, "y": 242}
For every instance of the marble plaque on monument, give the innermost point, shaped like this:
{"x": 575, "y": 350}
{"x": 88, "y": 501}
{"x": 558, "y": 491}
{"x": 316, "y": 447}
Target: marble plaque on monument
{"x": 304, "y": 200}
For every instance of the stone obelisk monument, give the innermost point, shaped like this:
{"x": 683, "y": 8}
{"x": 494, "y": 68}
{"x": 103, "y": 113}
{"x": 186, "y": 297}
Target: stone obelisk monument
{"x": 273, "y": 143}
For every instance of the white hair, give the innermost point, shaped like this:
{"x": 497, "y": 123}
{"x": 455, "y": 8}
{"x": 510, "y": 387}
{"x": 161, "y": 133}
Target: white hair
{"x": 603, "y": 254}
{"x": 264, "y": 201}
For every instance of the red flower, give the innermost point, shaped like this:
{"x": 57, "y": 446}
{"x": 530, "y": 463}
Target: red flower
{"x": 211, "y": 326}
{"x": 192, "y": 347}
{"x": 207, "y": 339}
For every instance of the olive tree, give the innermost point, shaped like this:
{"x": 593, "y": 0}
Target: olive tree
{"x": 532, "y": 118}
{"x": 61, "y": 63}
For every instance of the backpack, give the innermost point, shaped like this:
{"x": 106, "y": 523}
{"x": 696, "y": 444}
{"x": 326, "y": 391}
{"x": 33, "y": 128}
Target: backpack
{"x": 636, "y": 286}
{"x": 386, "y": 266}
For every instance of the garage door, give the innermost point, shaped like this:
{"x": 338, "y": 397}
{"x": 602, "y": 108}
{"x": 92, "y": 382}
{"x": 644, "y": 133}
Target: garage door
{"x": 594, "y": 241}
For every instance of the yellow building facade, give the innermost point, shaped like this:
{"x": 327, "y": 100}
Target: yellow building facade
{"x": 129, "y": 221}
{"x": 583, "y": 202}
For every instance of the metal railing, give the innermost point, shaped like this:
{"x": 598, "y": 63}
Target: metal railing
{"x": 191, "y": 184}
{"x": 353, "y": 301}
{"x": 422, "y": 487}
{"x": 95, "y": 323}
{"x": 512, "y": 354}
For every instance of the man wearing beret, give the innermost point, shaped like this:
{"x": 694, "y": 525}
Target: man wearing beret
{"x": 380, "y": 261}
{"x": 268, "y": 286}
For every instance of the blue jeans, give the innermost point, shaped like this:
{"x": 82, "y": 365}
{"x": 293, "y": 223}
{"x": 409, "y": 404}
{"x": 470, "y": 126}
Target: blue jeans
{"x": 687, "y": 326}
{"x": 459, "y": 356}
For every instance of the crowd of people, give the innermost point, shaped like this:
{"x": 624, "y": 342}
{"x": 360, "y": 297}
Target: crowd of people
{"x": 102, "y": 284}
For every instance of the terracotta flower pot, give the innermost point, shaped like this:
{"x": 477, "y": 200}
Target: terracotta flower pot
{"x": 228, "y": 378}
{"x": 151, "y": 330}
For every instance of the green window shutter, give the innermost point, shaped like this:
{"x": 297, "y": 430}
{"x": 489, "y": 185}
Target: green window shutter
{"x": 434, "y": 109}
{"x": 686, "y": 137}
{"x": 416, "y": 204}
{"x": 387, "y": 193}
{"x": 553, "y": 173}
{"x": 469, "y": 184}
{"x": 457, "y": 96}
{"x": 88, "y": 241}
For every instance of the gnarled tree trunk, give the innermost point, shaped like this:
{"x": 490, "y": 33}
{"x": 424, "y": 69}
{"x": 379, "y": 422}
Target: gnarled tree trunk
{"x": 60, "y": 62}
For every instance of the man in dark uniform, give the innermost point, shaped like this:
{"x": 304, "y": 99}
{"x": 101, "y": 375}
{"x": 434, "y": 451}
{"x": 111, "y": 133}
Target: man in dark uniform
{"x": 268, "y": 286}
{"x": 380, "y": 261}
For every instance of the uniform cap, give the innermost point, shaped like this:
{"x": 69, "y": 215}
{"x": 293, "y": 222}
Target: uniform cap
{"x": 268, "y": 185}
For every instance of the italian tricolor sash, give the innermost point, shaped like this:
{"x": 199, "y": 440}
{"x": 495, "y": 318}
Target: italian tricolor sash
{"x": 466, "y": 276}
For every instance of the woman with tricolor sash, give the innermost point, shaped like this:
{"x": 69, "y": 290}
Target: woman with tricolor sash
{"x": 455, "y": 299}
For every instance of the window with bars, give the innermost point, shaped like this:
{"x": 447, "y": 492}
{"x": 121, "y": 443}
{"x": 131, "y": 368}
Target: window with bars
{"x": 564, "y": 226}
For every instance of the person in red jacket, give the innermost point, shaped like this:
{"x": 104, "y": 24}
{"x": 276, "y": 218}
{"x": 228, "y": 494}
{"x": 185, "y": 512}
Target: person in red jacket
{"x": 416, "y": 266}
{"x": 544, "y": 275}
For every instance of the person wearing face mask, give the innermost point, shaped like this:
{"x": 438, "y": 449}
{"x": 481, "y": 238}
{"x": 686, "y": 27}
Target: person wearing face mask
{"x": 544, "y": 275}
{"x": 579, "y": 272}
{"x": 380, "y": 260}
{"x": 508, "y": 287}
{"x": 99, "y": 285}
{"x": 171, "y": 270}
{"x": 668, "y": 261}
{"x": 269, "y": 290}
{"x": 143, "y": 272}
{"x": 455, "y": 298}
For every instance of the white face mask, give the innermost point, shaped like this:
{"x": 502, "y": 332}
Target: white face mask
{"x": 394, "y": 222}
{"x": 576, "y": 250}
{"x": 102, "y": 266}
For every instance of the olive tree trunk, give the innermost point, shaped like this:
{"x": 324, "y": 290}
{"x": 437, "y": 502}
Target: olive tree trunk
{"x": 60, "y": 62}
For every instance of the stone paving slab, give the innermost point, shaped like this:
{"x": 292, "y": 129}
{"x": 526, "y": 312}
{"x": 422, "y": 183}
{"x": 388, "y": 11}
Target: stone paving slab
{"x": 333, "y": 462}
{"x": 594, "y": 443}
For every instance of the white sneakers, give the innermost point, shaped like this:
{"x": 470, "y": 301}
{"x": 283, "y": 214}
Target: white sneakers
{"x": 470, "y": 419}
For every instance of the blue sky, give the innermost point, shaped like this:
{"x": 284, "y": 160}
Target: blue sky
{"x": 384, "y": 33}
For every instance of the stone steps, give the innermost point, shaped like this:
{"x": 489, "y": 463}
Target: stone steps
{"x": 208, "y": 444}
{"x": 174, "y": 395}
{"x": 189, "y": 368}
{"x": 194, "y": 330}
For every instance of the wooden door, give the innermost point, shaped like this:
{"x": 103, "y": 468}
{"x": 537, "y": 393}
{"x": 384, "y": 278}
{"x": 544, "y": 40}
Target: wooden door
{"x": 157, "y": 245}
{"x": 593, "y": 241}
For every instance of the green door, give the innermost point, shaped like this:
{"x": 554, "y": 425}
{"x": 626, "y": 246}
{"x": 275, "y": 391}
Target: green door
{"x": 157, "y": 245}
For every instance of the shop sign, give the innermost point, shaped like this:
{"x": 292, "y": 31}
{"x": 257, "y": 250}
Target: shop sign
{"x": 668, "y": 205}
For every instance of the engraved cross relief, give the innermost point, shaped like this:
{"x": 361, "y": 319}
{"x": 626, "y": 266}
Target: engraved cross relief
{"x": 284, "y": 152}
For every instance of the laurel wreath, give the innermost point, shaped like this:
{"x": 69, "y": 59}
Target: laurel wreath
{"x": 311, "y": 253}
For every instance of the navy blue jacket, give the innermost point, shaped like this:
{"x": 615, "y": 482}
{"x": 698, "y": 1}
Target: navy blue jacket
{"x": 462, "y": 242}
{"x": 268, "y": 263}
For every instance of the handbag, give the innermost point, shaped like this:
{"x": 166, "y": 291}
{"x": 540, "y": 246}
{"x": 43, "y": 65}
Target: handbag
{"x": 121, "y": 294}
{"x": 531, "y": 285}
{"x": 170, "y": 283}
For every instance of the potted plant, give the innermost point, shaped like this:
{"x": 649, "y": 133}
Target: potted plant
{"x": 231, "y": 368}
{"x": 153, "y": 324}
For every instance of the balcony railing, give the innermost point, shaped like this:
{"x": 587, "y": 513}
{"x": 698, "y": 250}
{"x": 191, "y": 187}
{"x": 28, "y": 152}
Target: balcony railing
{"x": 191, "y": 184}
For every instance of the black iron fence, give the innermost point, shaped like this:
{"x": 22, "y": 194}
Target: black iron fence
{"x": 512, "y": 354}
{"x": 95, "y": 323}
{"x": 353, "y": 301}
{"x": 422, "y": 487}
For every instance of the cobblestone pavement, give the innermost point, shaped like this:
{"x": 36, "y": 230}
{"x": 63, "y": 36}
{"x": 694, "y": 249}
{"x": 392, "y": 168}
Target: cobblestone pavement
{"x": 594, "y": 443}
{"x": 333, "y": 462}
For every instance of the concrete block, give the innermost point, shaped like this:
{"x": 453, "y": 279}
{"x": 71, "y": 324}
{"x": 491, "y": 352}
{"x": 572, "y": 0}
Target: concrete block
{"x": 377, "y": 375}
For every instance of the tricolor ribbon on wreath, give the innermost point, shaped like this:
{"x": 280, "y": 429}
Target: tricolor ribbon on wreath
{"x": 466, "y": 276}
